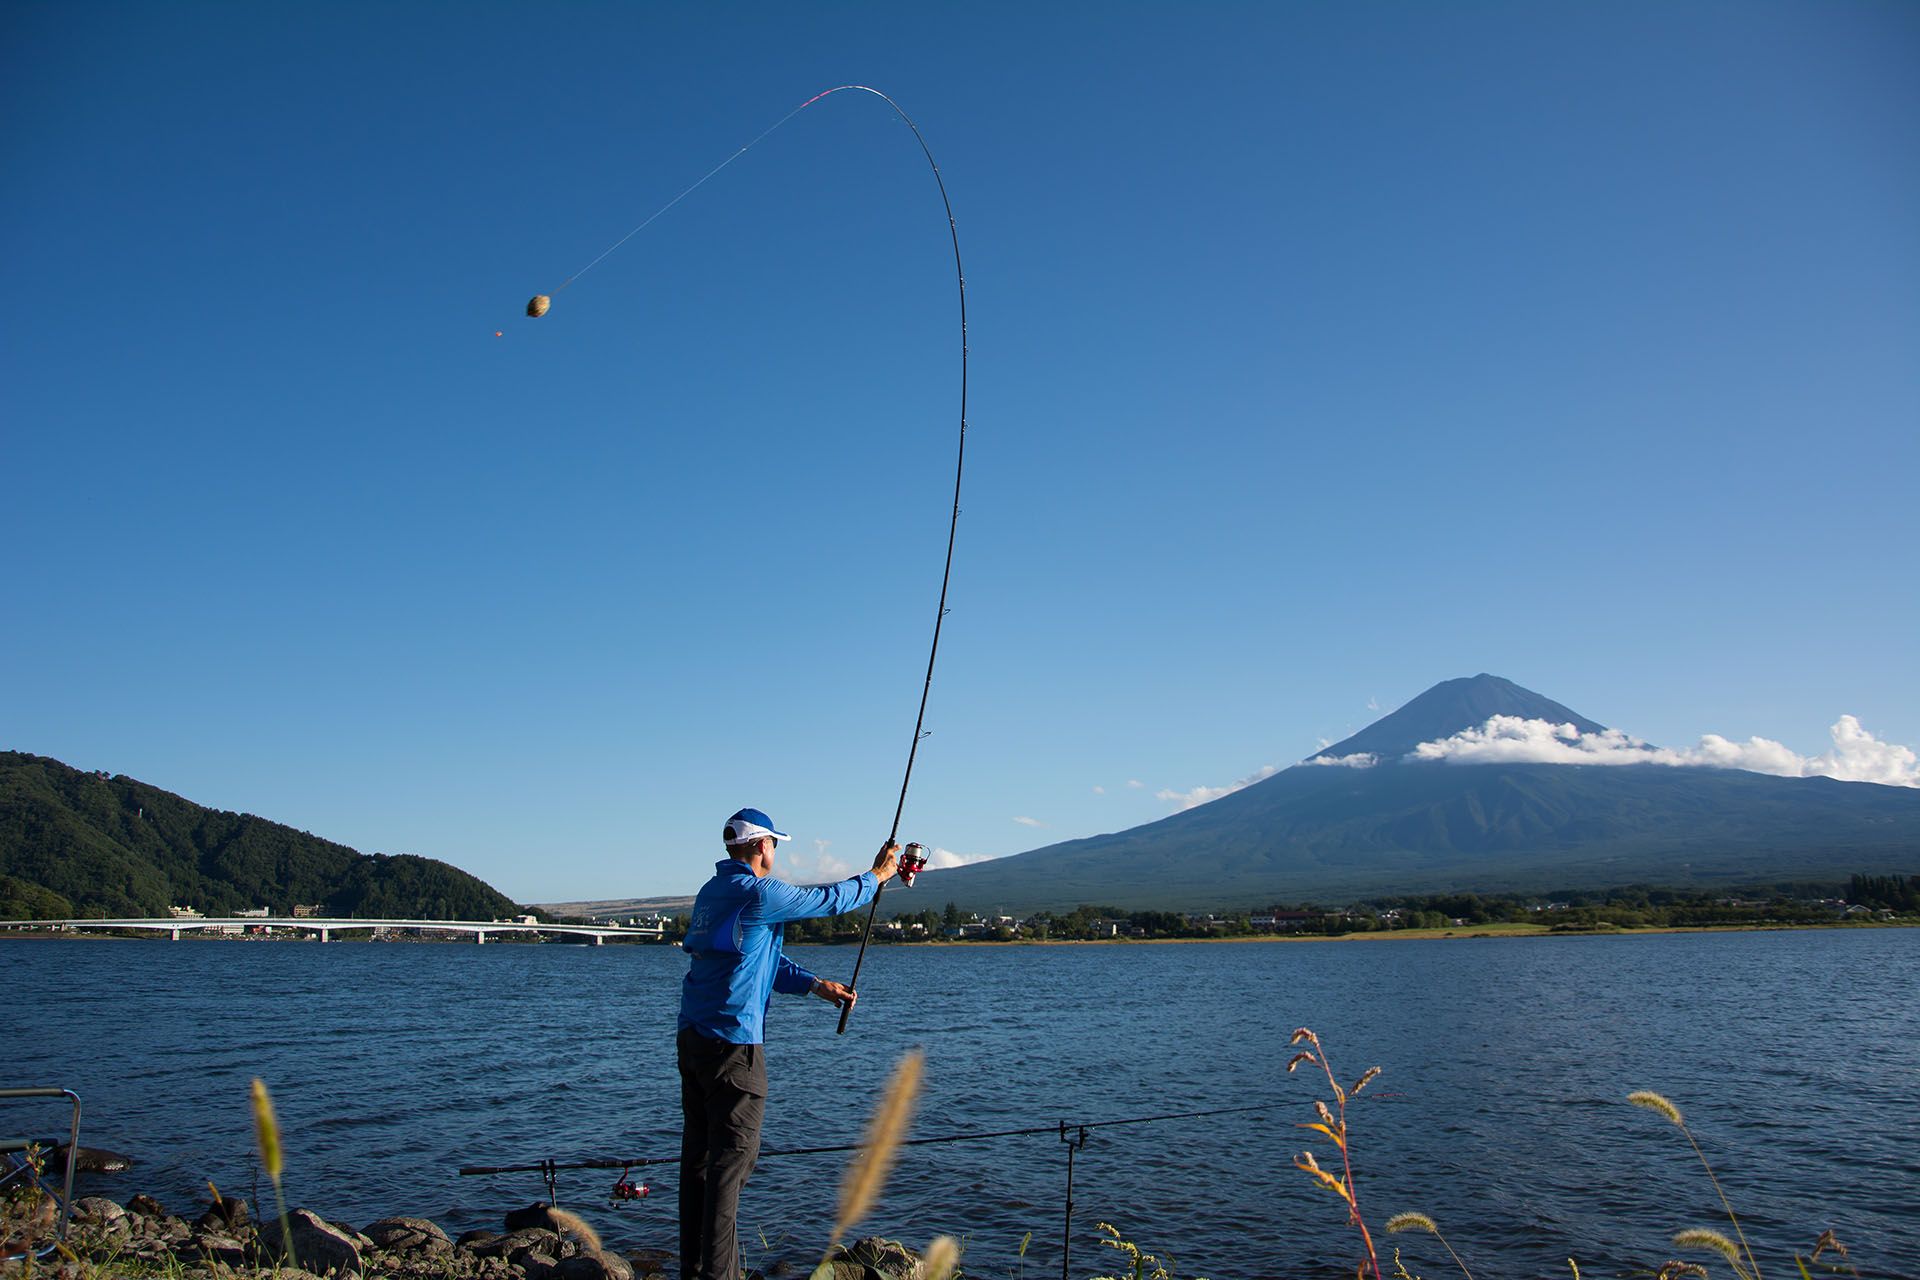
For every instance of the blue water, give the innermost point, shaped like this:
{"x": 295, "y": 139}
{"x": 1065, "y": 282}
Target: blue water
{"x": 1796, "y": 1057}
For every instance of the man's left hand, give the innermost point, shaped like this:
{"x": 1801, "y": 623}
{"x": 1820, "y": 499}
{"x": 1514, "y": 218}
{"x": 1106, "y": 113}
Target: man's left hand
{"x": 835, "y": 993}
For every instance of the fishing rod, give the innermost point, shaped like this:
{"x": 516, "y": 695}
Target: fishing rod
{"x": 540, "y": 304}
{"x": 1061, "y": 1126}
{"x": 1073, "y": 1135}
{"x": 953, "y": 529}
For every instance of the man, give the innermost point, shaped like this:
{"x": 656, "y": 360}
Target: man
{"x": 739, "y": 920}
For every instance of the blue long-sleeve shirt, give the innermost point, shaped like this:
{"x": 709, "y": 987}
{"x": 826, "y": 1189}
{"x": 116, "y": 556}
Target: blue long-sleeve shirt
{"x": 734, "y": 939}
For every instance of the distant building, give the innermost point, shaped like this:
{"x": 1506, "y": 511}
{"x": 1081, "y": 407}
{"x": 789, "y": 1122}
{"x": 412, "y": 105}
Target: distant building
{"x": 183, "y": 913}
{"x": 1282, "y": 921}
{"x": 301, "y": 912}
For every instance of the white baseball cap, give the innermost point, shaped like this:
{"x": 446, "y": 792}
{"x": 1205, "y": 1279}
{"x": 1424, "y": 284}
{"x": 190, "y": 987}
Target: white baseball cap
{"x": 749, "y": 825}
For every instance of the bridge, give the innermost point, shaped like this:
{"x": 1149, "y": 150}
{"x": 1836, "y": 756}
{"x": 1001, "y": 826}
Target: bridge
{"x": 174, "y": 926}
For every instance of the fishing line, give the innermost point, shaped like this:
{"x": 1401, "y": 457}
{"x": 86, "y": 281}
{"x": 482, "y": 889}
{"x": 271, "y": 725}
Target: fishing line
{"x": 1060, "y": 1128}
{"x": 1071, "y": 1135}
{"x": 541, "y": 302}
{"x": 645, "y": 222}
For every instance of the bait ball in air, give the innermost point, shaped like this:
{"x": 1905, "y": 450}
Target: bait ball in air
{"x": 538, "y": 306}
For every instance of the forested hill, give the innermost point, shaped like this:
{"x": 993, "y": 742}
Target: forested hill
{"x": 79, "y": 843}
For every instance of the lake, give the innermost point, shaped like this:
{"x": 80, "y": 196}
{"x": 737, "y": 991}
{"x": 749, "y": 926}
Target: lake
{"x": 1500, "y": 1112}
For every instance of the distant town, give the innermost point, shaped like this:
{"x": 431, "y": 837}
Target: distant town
{"x": 1865, "y": 900}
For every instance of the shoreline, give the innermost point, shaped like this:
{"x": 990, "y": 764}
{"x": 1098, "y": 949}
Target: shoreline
{"x": 1460, "y": 932}
{"x": 1457, "y": 932}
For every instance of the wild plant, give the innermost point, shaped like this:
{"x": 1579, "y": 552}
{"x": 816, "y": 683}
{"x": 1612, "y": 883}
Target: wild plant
{"x": 566, "y": 1223}
{"x": 1660, "y": 1106}
{"x": 1332, "y": 1124}
{"x": 1421, "y": 1222}
{"x": 866, "y": 1173}
{"x": 1825, "y": 1242}
{"x": 1141, "y": 1265}
{"x": 941, "y": 1259}
{"x": 28, "y": 1210}
{"x": 266, "y": 1129}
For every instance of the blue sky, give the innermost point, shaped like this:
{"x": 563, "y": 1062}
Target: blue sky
{"x": 1320, "y": 353}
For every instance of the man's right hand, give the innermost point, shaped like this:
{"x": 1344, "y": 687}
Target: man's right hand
{"x": 886, "y": 862}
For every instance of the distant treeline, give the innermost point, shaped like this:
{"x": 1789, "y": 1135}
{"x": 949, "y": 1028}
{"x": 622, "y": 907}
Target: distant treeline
{"x": 76, "y": 843}
{"x": 1571, "y": 910}
{"x": 1892, "y": 893}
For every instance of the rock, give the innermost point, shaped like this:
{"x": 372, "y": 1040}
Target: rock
{"x": 147, "y": 1206}
{"x": 471, "y": 1240}
{"x": 225, "y": 1214}
{"x": 215, "y": 1247}
{"x": 594, "y": 1266}
{"x": 317, "y": 1243}
{"x": 409, "y": 1235}
{"x": 842, "y": 1268}
{"x": 534, "y": 1215}
{"x": 889, "y": 1258}
{"x": 87, "y": 1159}
{"x": 536, "y": 1265}
{"x": 98, "y": 1210}
{"x": 520, "y": 1242}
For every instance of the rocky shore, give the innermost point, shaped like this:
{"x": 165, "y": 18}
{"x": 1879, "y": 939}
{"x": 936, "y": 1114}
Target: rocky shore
{"x": 141, "y": 1238}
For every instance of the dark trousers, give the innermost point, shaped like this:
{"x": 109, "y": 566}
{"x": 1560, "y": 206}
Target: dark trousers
{"x": 723, "y": 1098}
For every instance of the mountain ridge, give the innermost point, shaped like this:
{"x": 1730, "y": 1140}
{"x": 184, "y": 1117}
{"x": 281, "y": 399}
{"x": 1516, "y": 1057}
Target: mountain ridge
{"x": 1451, "y": 707}
{"x": 77, "y": 841}
{"x": 1324, "y": 831}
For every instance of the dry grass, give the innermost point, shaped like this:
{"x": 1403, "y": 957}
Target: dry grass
{"x": 1332, "y": 1125}
{"x": 867, "y": 1173}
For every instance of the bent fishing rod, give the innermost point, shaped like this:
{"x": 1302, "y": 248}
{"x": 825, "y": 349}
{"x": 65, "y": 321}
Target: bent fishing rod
{"x": 540, "y": 304}
{"x": 953, "y": 529}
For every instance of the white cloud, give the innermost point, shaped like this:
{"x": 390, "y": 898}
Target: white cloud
{"x": 1200, "y": 795}
{"x": 940, "y": 858}
{"x": 1373, "y": 704}
{"x": 1030, "y": 822}
{"x": 1134, "y": 784}
{"x": 1358, "y": 760}
{"x": 1857, "y": 756}
{"x": 1099, "y": 790}
{"x": 818, "y": 867}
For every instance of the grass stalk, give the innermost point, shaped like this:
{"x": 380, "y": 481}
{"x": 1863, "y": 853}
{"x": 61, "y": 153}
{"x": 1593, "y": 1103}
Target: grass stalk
{"x": 1657, "y": 1103}
{"x": 1421, "y": 1222}
{"x": 867, "y": 1172}
{"x": 266, "y": 1130}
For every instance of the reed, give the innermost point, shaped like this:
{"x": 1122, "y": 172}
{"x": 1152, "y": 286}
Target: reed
{"x": 1660, "y": 1106}
{"x": 266, "y": 1131}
